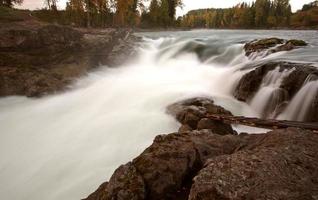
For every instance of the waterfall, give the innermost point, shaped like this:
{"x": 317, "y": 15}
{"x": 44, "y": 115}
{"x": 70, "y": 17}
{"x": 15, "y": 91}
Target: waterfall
{"x": 64, "y": 146}
{"x": 300, "y": 107}
{"x": 270, "y": 95}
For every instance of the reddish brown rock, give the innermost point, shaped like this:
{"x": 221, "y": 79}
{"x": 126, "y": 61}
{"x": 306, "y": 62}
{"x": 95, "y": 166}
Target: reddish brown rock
{"x": 217, "y": 127}
{"x": 126, "y": 183}
{"x": 38, "y": 59}
{"x": 168, "y": 165}
{"x": 279, "y": 165}
{"x": 191, "y": 113}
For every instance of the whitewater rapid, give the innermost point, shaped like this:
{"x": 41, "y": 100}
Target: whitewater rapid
{"x": 65, "y": 145}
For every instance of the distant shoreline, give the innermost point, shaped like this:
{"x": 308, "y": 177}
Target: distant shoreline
{"x": 141, "y": 30}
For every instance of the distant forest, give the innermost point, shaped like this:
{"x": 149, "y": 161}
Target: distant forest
{"x": 259, "y": 14}
{"x": 162, "y": 13}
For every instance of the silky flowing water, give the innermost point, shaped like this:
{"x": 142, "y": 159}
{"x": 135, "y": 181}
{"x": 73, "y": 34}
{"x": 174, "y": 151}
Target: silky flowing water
{"x": 64, "y": 146}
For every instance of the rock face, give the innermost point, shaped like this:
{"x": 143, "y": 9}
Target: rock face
{"x": 250, "y": 82}
{"x": 192, "y": 113}
{"x": 170, "y": 163}
{"x": 126, "y": 183}
{"x": 272, "y": 45}
{"x": 299, "y": 74}
{"x": 278, "y": 165}
{"x": 38, "y": 59}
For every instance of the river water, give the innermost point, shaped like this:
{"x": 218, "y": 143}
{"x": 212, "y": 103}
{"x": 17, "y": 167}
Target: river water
{"x": 64, "y": 146}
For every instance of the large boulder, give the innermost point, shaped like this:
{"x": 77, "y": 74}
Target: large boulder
{"x": 192, "y": 114}
{"x": 167, "y": 166}
{"x": 279, "y": 165}
{"x": 272, "y": 45}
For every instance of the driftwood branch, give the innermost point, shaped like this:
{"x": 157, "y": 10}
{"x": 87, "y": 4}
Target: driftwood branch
{"x": 264, "y": 123}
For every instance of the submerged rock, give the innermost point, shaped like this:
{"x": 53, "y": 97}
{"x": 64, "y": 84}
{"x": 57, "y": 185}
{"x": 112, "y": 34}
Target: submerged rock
{"x": 278, "y": 165}
{"x": 272, "y": 45}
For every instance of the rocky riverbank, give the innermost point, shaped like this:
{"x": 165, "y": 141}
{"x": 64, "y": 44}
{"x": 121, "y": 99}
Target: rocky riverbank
{"x": 208, "y": 160}
{"x": 38, "y": 59}
{"x": 205, "y": 159}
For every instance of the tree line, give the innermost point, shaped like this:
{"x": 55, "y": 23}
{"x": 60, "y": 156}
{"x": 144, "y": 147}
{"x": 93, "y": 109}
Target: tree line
{"x": 259, "y": 14}
{"x": 307, "y": 16}
{"x": 106, "y": 13}
{"x": 162, "y": 13}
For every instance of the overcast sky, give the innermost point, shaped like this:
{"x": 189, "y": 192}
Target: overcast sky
{"x": 189, "y": 4}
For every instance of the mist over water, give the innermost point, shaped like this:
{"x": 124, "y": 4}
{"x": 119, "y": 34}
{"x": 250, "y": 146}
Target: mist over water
{"x": 64, "y": 146}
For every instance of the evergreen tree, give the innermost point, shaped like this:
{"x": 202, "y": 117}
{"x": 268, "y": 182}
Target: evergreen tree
{"x": 154, "y": 12}
{"x": 164, "y": 13}
{"x": 261, "y": 12}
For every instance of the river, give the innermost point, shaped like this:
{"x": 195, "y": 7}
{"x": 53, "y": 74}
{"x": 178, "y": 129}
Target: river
{"x": 64, "y": 146}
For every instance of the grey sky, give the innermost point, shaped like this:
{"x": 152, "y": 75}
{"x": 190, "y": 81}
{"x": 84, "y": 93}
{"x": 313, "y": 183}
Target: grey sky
{"x": 189, "y": 4}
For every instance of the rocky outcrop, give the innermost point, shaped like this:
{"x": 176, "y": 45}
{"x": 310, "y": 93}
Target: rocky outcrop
{"x": 272, "y": 45}
{"x": 169, "y": 164}
{"x": 204, "y": 165}
{"x": 191, "y": 113}
{"x": 279, "y": 165}
{"x": 207, "y": 160}
{"x": 250, "y": 82}
{"x": 126, "y": 183}
{"x": 43, "y": 59}
{"x": 298, "y": 75}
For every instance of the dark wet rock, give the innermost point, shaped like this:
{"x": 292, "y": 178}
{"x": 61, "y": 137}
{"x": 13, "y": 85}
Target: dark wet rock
{"x": 100, "y": 194}
{"x": 250, "y": 83}
{"x": 202, "y": 165}
{"x": 289, "y": 45}
{"x": 296, "y": 80}
{"x": 126, "y": 183}
{"x": 297, "y": 42}
{"x": 279, "y": 165}
{"x": 169, "y": 164}
{"x": 38, "y": 59}
{"x": 314, "y": 111}
{"x": 191, "y": 113}
{"x": 217, "y": 127}
{"x": 272, "y": 45}
{"x": 261, "y": 45}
